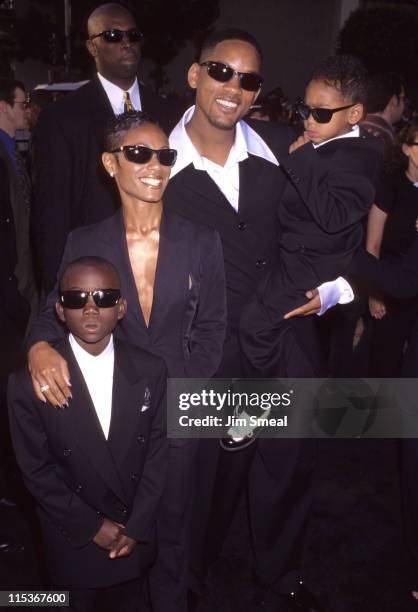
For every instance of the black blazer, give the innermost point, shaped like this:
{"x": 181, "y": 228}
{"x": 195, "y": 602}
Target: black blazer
{"x": 71, "y": 186}
{"x": 188, "y": 318}
{"x": 78, "y": 477}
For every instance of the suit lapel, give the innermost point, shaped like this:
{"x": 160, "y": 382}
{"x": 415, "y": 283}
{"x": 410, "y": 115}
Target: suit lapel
{"x": 87, "y": 429}
{"x": 251, "y": 183}
{"x": 200, "y": 183}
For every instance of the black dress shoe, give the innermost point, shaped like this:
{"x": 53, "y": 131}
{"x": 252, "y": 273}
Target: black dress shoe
{"x": 299, "y": 600}
{"x": 6, "y": 543}
{"x": 7, "y": 502}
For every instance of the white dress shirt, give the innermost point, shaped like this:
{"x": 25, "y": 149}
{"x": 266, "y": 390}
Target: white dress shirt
{"x": 246, "y": 141}
{"x": 97, "y": 371}
{"x": 115, "y": 95}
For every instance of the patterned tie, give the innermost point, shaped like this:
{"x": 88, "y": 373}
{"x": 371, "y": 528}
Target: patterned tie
{"x": 127, "y": 102}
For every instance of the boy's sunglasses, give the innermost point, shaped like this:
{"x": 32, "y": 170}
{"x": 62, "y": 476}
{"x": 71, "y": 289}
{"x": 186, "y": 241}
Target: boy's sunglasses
{"x": 139, "y": 154}
{"x": 103, "y": 298}
{"x": 116, "y": 36}
{"x": 321, "y": 115}
{"x": 250, "y": 81}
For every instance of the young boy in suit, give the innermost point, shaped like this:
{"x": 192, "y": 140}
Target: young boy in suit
{"x": 97, "y": 466}
{"x": 332, "y": 169}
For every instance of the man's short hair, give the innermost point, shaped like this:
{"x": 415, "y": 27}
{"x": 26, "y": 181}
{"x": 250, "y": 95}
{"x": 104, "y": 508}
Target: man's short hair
{"x": 89, "y": 261}
{"x": 345, "y": 73}
{"x": 381, "y": 88}
{"x": 213, "y": 39}
{"x": 8, "y": 88}
{"x": 120, "y": 125}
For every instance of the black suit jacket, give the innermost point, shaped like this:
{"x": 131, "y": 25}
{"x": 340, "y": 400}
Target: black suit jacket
{"x": 71, "y": 186}
{"x": 188, "y": 318}
{"x": 78, "y": 477}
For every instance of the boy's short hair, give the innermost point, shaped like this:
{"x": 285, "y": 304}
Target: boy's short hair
{"x": 120, "y": 125}
{"x": 214, "y": 38}
{"x": 89, "y": 261}
{"x": 345, "y": 73}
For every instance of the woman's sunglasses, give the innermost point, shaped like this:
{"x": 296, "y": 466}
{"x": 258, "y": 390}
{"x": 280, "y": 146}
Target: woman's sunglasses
{"x": 250, "y": 81}
{"x": 103, "y": 298}
{"x": 139, "y": 154}
{"x": 116, "y": 36}
{"x": 321, "y": 115}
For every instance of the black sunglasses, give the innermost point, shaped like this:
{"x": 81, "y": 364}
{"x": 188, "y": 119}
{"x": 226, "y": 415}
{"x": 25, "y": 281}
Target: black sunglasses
{"x": 139, "y": 154}
{"x": 321, "y": 115}
{"x": 103, "y": 298}
{"x": 250, "y": 81}
{"x": 116, "y": 36}
{"x": 412, "y": 143}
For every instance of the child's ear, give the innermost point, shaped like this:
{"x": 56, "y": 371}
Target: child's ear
{"x": 356, "y": 113}
{"x": 122, "y": 308}
{"x": 60, "y": 312}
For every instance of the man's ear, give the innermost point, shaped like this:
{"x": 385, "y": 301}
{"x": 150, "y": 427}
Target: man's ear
{"x": 356, "y": 113}
{"x": 91, "y": 47}
{"x": 109, "y": 162}
{"x": 193, "y": 75}
{"x": 122, "y": 308}
{"x": 60, "y": 312}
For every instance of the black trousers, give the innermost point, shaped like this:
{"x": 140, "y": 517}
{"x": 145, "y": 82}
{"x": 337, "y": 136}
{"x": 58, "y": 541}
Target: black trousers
{"x": 125, "y": 597}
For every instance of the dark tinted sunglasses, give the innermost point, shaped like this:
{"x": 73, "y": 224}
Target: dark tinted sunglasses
{"x": 116, "y": 36}
{"x": 250, "y": 81}
{"x": 321, "y": 115}
{"x": 139, "y": 154}
{"x": 412, "y": 143}
{"x": 103, "y": 298}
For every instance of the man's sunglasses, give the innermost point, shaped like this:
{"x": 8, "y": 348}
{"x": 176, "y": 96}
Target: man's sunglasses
{"x": 116, "y": 36}
{"x": 321, "y": 115}
{"x": 139, "y": 154}
{"x": 250, "y": 81}
{"x": 103, "y": 298}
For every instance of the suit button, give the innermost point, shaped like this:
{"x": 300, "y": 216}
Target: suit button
{"x": 260, "y": 263}
{"x": 124, "y": 511}
{"x": 7, "y": 219}
{"x": 98, "y": 513}
{"x": 242, "y": 225}
{"x": 134, "y": 477}
{"x": 78, "y": 488}
{"x": 140, "y": 439}
{"x": 67, "y": 452}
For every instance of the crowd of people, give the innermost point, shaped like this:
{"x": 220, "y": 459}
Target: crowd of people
{"x": 139, "y": 243}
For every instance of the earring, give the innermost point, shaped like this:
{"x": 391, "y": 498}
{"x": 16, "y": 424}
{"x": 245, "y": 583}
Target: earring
{"x": 112, "y": 174}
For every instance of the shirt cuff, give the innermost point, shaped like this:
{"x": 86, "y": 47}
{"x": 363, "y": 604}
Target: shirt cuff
{"x": 334, "y": 292}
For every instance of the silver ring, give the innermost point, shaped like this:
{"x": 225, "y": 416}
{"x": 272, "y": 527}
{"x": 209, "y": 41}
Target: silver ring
{"x": 44, "y": 388}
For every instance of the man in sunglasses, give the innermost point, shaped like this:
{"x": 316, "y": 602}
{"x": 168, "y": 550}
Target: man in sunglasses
{"x": 96, "y": 469}
{"x": 72, "y": 188}
{"x": 227, "y": 176}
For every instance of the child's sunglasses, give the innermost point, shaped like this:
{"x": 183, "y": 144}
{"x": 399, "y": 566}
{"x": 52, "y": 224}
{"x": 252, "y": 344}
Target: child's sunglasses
{"x": 103, "y": 298}
{"x": 250, "y": 81}
{"x": 321, "y": 115}
{"x": 139, "y": 154}
{"x": 116, "y": 36}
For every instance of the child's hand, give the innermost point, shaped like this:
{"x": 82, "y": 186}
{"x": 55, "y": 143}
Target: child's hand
{"x": 124, "y": 546}
{"x": 302, "y": 140}
{"x": 108, "y": 535}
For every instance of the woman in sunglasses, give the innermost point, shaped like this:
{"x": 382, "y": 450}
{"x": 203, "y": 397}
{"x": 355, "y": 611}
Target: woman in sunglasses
{"x": 172, "y": 276}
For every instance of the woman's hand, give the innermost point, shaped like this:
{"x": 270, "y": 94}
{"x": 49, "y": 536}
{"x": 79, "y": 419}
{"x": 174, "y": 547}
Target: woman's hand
{"x": 50, "y": 375}
{"x": 377, "y": 308}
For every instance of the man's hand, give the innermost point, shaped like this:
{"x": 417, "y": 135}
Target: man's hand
{"x": 108, "y": 535}
{"x": 377, "y": 308}
{"x": 49, "y": 371}
{"x": 302, "y": 140}
{"x": 123, "y": 547}
{"x": 311, "y": 307}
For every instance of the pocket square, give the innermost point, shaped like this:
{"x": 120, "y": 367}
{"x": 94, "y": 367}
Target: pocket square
{"x": 147, "y": 400}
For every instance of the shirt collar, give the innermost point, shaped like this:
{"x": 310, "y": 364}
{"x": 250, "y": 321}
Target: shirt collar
{"x": 115, "y": 94}
{"x": 355, "y": 133}
{"x": 246, "y": 141}
{"x": 82, "y": 354}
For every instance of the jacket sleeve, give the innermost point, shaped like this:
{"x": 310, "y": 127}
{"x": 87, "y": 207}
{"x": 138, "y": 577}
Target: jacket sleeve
{"x": 141, "y": 523}
{"x": 338, "y": 192}
{"x": 207, "y": 331}
{"x": 77, "y": 522}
